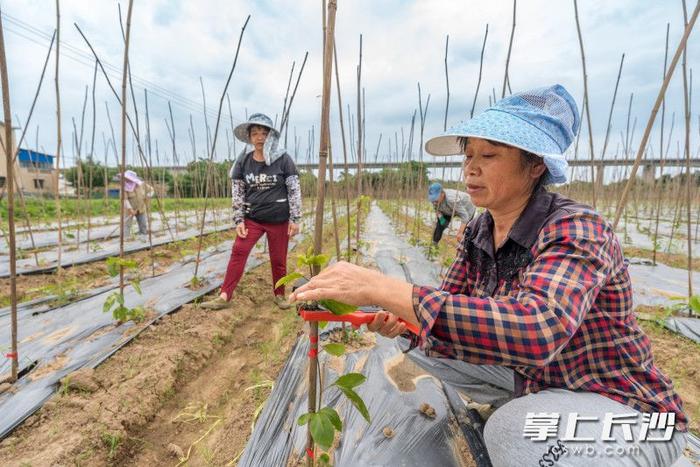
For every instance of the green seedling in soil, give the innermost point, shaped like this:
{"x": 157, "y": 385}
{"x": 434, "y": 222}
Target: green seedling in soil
{"x": 112, "y": 442}
{"x": 310, "y": 260}
{"x": 115, "y": 301}
{"x": 324, "y": 423}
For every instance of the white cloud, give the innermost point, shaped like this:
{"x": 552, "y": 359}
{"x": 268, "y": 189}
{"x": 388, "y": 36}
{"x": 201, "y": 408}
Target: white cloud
{"x": 174, "y": 43}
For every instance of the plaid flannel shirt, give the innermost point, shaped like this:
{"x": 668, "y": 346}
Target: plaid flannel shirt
{"x": 554, "y": 303}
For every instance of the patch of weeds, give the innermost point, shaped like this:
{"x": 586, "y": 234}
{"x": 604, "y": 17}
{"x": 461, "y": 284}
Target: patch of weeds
{"x": 65, "y": 387}
{"x": 218, "y": 340}
{"x": 84, "y": 455}
{"x": 206, "y": 454}
{"x": 169, "y": 393}
{"x": 111, "y": 442}
{"x": 115, "y": 301}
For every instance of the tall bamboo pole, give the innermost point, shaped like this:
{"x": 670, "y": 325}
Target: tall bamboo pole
{"x": 7, "y": 116}
{"x": 510, "y": 48}
{"x": 688, "y": 174}
{"x": 318, "y": 227}
{"x": 650, "y": 123}
{"x": 123, "y": 159}
{"x": 447, "y": 85}
{"x": 346, "y": 178}
{"x": 481, "y": 67}
{"x": 213, "y": 146}
{"x": 359, "y": 154}
{"x": 57, "y": 193}
{"x": 659, "y": 193}
{"x": 586, "y": 101}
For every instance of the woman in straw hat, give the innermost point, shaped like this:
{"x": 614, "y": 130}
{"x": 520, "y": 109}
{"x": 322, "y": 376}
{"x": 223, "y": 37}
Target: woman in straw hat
{"x": 537, "y": 303}
{"x": 137, "y": 192}
{"x": 266, "y": 201}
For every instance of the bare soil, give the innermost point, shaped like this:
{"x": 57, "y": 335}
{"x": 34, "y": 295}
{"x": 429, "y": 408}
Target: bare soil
{"x": 181, "y": 382}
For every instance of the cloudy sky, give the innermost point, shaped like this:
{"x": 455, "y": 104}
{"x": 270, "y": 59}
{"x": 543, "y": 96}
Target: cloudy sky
{"x": 175, "y": 44}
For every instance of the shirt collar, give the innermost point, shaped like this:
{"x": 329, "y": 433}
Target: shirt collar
{"x": 525, "y": 230}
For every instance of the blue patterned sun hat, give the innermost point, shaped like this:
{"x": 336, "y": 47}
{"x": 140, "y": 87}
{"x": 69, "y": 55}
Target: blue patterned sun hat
{"x": 542, "y": 121}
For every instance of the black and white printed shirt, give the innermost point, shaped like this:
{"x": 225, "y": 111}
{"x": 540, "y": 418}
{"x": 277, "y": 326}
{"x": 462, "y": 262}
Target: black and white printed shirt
{"x": 264, "y": 193}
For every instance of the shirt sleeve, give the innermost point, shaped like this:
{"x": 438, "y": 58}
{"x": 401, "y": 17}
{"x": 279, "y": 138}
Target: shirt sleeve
{"x": 291, "y": 179}
{"x": 464, "y": 209}
{"x": 571, "y": 263}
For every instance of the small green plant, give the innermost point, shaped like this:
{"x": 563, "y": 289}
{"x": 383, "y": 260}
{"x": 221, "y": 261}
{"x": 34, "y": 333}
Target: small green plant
{"x": 115, "y": 301}
{"x": 324, "y": 423}
{"x": 111, "y": 441}
{"x": 310, "y": 260}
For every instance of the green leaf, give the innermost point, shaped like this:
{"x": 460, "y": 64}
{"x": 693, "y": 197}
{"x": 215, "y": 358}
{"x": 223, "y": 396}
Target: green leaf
{"x": 356, "y": 401}
{"x": 304, "y": 419}
{"x": 291, "y": 277}
{"x": 322, "y": 430}
{"x": 333, "y": 417}
{"x": 136, "y": 284}
{"x": 336, "y": 307}
{"x": 112, "y": 266}
{"x": 109, "y": 302}
{"x": 350, "y": 380}
{"x": 120, "y": 298}
{"x": 69, "y": 235}
{"x": 319, "y": 260}
{"x": 324, "y": 460}
{"x": 335, "y": 349}
{"x": 302, "y": 261}
{"x": 694, "y": 303}
{"x": 322, "y": 324}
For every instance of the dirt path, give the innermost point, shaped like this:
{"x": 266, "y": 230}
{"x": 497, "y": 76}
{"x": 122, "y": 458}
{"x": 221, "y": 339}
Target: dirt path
{"x": 192, "y": 362}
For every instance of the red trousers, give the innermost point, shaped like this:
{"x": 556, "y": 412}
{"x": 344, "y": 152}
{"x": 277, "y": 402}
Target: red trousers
{"x": 277, "y": 240}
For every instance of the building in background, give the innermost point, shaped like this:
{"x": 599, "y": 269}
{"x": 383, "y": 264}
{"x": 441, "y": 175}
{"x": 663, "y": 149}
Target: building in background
{"x": 34, "y": 171}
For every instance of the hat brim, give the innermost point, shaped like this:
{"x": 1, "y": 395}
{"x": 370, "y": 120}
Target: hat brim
{"x": 241, "y": 131}
{"x": 502, "y": 127}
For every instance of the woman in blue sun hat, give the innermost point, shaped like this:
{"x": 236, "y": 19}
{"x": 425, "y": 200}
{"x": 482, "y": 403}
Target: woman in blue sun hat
{"x": 537, "y": 303}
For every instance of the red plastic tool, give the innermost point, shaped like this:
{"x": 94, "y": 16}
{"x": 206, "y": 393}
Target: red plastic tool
{"x": 356, "y": 318}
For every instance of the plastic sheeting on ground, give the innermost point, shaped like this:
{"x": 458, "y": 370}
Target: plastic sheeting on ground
{"x": 81, "y": 335}
{"x": 394, "y": 391}
{"x": 689, "y": 327}
{"x": 417, "y": 440}
{"x": 104, "y": 230}
{"x": 49, "y": 260}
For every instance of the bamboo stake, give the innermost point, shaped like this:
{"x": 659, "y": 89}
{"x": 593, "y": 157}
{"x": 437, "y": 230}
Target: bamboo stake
{"x": 481, "y": 67}
{"x": 285, "y": 117}
{"x": 213, "y": 146}
{"x": 688, "y": 174}
{"x": 447, "y": 85}
{"x": 122, "y": 197}
{"x": 510, "y": 47}
{"x": 642, "y": 145}
{"x": 59, "y": 270}
{"x": 92, "y": 155}
{"x": 346, "y": 178}
{"x": 359, "y": 155}
{"x": 586, "y": 102}
{"x": 7, "y": 115}
{"x": 318, "y": 227}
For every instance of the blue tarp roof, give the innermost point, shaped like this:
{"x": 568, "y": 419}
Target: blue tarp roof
{"x": 25, "y": 155}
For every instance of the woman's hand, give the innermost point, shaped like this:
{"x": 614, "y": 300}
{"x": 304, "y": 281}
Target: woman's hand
{"x": 344, "y": 282}
{"x": 387, "y": 324}
{"x": 241, "y": 231}
{"x": 293, "y": 229}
